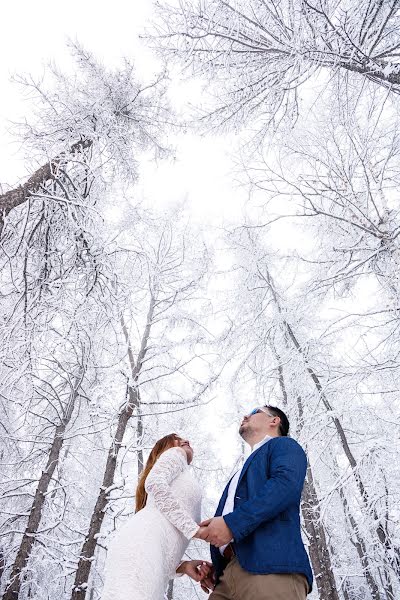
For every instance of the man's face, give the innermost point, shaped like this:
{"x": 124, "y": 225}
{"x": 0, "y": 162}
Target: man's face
{"x": 258, "y": 421}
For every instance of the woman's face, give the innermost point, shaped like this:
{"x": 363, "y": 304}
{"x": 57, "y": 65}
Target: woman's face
{"x": 181, "y": 443}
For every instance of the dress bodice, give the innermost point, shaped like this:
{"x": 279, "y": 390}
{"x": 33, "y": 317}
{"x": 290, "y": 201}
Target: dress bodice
{"x": 173, "y": 490}
{"x": 147, "y": 549}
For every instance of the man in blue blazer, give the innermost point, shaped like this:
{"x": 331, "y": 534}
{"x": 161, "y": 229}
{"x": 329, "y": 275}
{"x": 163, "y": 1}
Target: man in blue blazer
{"x": 255, "y": 538}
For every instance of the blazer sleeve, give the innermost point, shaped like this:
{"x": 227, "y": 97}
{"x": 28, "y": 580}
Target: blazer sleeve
{"x": 288, "y": 465}
{"x": 168, "y": 466}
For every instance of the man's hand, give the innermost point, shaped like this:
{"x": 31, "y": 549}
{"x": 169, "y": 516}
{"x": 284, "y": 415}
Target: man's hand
{"x": 215, "y": 531}
{"x": 206, "y": 522}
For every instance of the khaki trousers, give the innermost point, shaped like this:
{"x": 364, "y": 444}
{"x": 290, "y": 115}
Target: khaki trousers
{"x": 238, "y": 584}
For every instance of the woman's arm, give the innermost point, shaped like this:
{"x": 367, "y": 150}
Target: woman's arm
{"x": 166, "y": 469}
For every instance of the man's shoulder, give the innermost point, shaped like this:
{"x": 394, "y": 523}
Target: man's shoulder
{"x": 285, "y": 442}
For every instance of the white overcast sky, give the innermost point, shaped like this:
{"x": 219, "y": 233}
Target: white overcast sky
{"x": 35, "y": 33}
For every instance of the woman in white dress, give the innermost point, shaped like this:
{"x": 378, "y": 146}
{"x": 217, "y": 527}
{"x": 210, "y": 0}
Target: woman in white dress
{"x": 147, "y": 550}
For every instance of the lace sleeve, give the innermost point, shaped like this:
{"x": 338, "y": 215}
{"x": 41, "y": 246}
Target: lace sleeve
{"x": 166, "y": 469}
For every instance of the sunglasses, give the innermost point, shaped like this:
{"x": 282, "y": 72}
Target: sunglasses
{"x": 260, "y": 410}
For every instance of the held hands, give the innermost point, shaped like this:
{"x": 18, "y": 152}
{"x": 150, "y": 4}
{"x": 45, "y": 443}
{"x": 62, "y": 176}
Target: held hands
{"x": 215, "y": 531}
{"x": 200, "y": 571}
{"x": 207, "y": 581}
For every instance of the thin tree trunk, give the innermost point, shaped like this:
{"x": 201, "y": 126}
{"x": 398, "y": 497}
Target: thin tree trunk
{"x": 139, "y": 436}
{"x": 2, "y": 563}
{"x": 89, "y": 546}
{"x": 391, "y": 552}
{"x": 139, "y": 431}
{"x": 392, "y": 561}
{"x": 28, "y": 540}
{"x": 361, "y": 549}
{"x": 170, "y": 591}
{"x": 319, "y": 551}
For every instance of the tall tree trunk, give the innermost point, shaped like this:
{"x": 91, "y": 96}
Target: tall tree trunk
{"x": 392, "y": 554}
{"x": 319, "y": 551}
{"x": 139, "y": 430}
{"x": 361, "y": 549}
{"x": 28, "y": 540}
{"x": 391, "y": 560}
{"x": 2, "y": 563}
{"x": 319, "y": 548}
{"x": 47, "y": 172}
{"x": 89, "y": 546}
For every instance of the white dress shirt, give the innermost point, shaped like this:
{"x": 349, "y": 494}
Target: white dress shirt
{"x": 230, "y": 499}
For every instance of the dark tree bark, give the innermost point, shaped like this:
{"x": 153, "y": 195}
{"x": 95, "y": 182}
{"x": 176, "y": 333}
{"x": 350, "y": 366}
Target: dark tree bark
{"x": 89, "y": 546}
{"x": 318, "y": 548}
{"x": 28, "y": 540}
{"x": 2, "y": 563}
{"x": 391, "y": 552}
{"x": 46, "y": 173}
{"x": 139, "y": 431}
{"x": 361, "y": 549}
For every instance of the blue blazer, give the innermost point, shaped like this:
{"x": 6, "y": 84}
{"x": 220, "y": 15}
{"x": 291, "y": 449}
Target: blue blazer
{"x": 265, "y": 521}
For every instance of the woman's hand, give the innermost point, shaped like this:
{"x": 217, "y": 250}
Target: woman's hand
{"x": 201, "y": 533}
{"x": 208, "y": 581}
{"x": 196, "y": 569}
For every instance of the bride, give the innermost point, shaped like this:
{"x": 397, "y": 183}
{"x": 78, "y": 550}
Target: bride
{"x": 147, "y": 550}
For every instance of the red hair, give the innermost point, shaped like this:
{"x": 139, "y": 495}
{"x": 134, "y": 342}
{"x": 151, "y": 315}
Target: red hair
{"x": 159, "y": 447}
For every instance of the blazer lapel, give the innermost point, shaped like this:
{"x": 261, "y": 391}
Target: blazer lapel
{"x": 222, "y": 501}
{"x": 243, "y": 471}
{"x": 248, "y": 461}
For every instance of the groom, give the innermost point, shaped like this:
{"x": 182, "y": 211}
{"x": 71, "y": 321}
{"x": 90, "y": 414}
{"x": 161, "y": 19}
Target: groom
{"x": 256, "y": 545}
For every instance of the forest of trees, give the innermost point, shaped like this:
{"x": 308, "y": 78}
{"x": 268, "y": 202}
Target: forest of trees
{"x": 117, "y": 331}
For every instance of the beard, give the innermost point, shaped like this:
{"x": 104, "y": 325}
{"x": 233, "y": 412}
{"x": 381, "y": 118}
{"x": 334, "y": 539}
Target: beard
{"x": 244, "y": 431}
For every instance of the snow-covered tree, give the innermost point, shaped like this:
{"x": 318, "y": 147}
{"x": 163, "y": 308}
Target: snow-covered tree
{"x": 258, "y": 54}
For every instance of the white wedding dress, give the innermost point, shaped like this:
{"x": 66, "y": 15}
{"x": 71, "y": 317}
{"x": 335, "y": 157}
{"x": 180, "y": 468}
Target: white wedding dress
{"x": 149, "y": 546}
